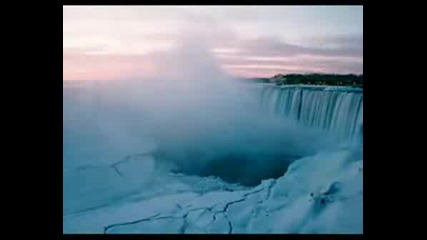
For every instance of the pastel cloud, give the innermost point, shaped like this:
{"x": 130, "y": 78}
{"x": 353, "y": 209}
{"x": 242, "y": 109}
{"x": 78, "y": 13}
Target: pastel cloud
{"x": 108, "y": 43}
{"x": 338, "y": 55}
{"x": 86, "y": 66}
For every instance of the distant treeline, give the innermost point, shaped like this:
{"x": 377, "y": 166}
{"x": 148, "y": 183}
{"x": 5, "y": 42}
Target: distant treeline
{"x": 316, "y": 79}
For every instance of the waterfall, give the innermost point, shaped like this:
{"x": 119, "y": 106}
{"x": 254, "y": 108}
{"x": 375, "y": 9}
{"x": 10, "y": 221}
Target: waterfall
{"x": 337, "y": 110}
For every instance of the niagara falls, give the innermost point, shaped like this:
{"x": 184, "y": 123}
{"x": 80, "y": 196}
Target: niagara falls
{"x": 203, "y": 120}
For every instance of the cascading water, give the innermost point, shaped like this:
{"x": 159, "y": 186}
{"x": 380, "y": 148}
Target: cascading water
{"x": 336, "y": 110}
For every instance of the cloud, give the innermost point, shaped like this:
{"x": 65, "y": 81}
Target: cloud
{"x": 276, "y": 47}
{"x": 332, "y": 54}
{"x": 307, "y": 62}
{"x": 78, "y": 65}
{"x": 138, "y": 54}
{"x": 342, "y": 40}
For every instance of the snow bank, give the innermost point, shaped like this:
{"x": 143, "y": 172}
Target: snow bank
{"x": 318, "y": 194}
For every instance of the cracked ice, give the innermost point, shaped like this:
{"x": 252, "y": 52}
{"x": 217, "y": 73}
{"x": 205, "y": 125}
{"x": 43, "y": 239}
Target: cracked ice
{"x": 304, "y": 200}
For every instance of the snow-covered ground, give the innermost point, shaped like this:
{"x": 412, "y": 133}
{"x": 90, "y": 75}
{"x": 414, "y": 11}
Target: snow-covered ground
{"x": 318, "y": 194}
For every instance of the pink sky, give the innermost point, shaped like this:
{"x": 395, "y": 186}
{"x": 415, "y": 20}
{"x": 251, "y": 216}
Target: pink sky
{"x": 108, "y": 43}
